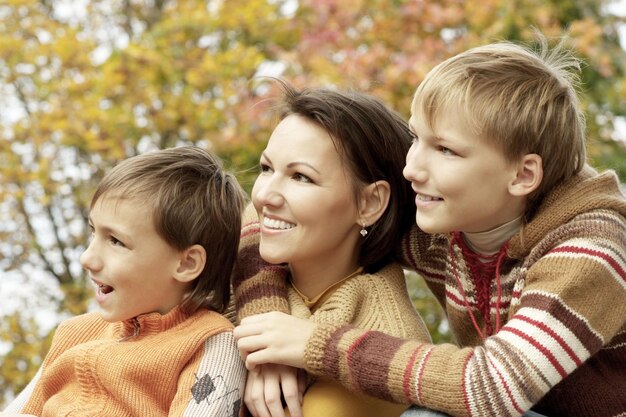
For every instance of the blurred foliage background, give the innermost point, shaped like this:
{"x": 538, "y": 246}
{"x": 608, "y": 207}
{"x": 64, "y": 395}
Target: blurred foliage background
{"x": 86, "y": 83}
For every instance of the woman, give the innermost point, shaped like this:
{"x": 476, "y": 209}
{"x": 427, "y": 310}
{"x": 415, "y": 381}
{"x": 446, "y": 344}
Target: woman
{"x": 329, "y": 204}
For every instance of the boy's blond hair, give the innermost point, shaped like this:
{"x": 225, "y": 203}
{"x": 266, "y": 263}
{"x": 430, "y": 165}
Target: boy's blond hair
{"x": 193, "y": 201}
{"x": 520, "y": 100}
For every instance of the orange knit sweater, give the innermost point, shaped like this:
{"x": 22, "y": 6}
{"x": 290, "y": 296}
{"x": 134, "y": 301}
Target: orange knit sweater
{"x": 152, "y": 365}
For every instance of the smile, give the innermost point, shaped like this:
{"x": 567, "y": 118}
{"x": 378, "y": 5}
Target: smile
{"x": 424, "y": 197}
{"x": 277, "y": 224}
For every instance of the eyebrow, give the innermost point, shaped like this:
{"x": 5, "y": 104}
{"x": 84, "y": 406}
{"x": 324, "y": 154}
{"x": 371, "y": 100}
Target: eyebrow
{"x": 109, "y": 230}
{"x": 292, "y": 164}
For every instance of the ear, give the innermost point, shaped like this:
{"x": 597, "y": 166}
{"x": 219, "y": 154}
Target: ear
{"x": 373, "y": 201}
{"x": 192, "y": 261}
{"x": 528, "y": 176}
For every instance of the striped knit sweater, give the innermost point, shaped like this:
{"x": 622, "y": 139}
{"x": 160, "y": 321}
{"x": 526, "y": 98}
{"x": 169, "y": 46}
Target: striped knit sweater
{"x": 153, "y": 365}
{"x": 561, "y": 344}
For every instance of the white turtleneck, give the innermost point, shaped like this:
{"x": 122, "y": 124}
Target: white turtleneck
{"x": 490, "y": 242}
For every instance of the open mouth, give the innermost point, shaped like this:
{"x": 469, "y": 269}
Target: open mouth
{"x": 102, "y": 288}
{"x": 105, "y": 289}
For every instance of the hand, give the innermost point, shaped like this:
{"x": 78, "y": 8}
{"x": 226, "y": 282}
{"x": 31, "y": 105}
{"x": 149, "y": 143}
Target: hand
{"x": 263, "y": 390}
{"x": 273, "y": 338}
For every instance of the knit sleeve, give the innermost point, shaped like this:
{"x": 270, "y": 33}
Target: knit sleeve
{"x": 570, "y": 318}
{"x": 259, "y": 287}
{"x": 218, "y": 377}
{"x": 18, "y": 403}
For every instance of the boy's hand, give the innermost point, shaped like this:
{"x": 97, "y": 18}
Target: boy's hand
{"x": 273, "y": 338}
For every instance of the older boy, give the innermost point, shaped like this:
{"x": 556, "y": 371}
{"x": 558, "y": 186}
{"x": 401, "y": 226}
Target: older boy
{"x": 525, "y": 248}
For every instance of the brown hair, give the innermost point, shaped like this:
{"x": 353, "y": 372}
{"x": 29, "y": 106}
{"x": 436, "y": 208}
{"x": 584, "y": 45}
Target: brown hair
{"x": 193, "y": 201}
{"x": 520, "y": 100}
{"x": 372, "y": 141}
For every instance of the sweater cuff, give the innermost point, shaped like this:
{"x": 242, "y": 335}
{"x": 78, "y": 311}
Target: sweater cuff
{"x": 315, "y": 360}
{"x": 264, "y": 292}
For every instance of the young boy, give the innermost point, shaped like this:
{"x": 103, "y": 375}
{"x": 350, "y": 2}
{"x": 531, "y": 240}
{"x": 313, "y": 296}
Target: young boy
{"x": 522, "y": 243}
{"x": 164, "y": 236}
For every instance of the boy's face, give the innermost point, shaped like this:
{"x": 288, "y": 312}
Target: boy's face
{"x": 131, "y": 266}
{"x": 461, "y": 181}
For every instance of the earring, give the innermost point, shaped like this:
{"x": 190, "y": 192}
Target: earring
{"x": 363, "y": 231}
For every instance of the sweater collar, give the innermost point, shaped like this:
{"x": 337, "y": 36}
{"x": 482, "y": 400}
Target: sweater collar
{"x": 584, "y": 192}
{"x": 150, "y": 323}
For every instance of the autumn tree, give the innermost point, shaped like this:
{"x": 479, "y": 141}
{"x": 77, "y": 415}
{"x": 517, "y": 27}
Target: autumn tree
{"x": 86, "y": 89}
{"x": 83, "y": 86}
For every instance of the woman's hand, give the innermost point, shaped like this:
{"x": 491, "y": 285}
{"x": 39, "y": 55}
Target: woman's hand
{"x": 273, "y": 338}
{"x": 263, "y": 390}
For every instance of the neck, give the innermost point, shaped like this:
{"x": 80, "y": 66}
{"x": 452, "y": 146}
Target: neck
{"x": 312, "y": 280}
{"x": 490, "y": 241}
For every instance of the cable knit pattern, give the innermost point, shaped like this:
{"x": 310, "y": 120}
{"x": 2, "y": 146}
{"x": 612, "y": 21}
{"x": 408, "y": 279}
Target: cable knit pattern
{"x": 152, "y": 365}
{"x": 562, "y": 306}
{"x": 378, "y": 302}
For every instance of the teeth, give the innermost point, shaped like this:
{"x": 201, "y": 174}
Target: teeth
{"x": 277, "y": 224}
{"x": 423, "y": 197}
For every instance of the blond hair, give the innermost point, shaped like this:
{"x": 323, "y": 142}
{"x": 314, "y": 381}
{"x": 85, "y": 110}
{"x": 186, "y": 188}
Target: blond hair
{"x": 523, "y": 101}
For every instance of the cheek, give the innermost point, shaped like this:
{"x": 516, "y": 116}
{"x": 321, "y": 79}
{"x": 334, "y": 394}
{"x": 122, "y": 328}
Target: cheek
{"x": 337, "y": 213}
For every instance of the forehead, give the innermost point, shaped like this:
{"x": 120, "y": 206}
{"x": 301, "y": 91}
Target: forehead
{"x": 122, "y": 210}
{"x": 298, "y": 137}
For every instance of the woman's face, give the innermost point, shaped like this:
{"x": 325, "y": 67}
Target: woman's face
{"x": 306, "y": 202}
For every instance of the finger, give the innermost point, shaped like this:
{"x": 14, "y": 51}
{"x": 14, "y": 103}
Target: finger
{"x": 289, "y": 384}
{"x": 246, "y": 329}
{"x": 256, "y": 358}
{"x": 302, "y": 380}
{"x": 247, "y": 396}
{"x": 256, "y": 397}
{"x": 272, "y": 391}
{"x": 250, "y": 344}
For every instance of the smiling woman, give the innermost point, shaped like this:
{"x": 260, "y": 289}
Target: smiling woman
{"x": 302, "y": 186}
{"x": 329, "y": 204}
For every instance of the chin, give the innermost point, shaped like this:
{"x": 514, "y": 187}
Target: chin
{"x": 271, "y": 258}
{"x": 432, "y": 229}
{"x": 108, "y": 317}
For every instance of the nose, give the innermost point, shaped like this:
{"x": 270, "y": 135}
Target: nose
{"x": 267, "y": 191}
{"x": 415, "y": 168}
{"x": 89, "y": 259}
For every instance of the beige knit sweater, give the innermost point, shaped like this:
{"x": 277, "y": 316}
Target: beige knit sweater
{"x": 378, "y": 301}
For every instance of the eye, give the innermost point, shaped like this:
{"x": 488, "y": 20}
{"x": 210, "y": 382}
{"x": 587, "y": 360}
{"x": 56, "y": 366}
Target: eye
{"x": 447, "y": 151}
{"x": 265, "y": 168}
{"x": 116, "y": 242}
{"x": 302, "y": 178}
